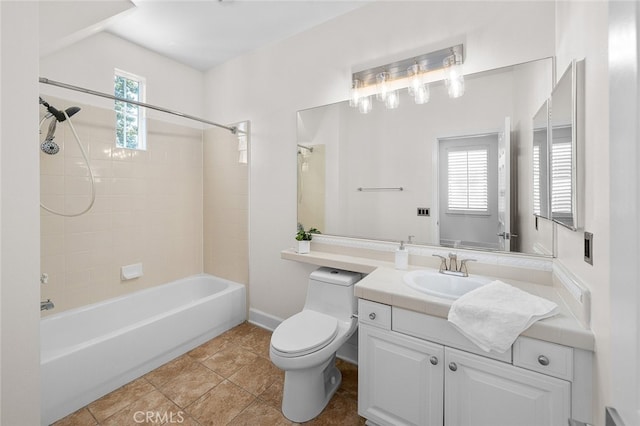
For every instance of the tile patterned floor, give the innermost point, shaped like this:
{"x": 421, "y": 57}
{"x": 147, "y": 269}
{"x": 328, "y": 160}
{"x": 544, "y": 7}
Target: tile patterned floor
{"x": 229, "y": 380}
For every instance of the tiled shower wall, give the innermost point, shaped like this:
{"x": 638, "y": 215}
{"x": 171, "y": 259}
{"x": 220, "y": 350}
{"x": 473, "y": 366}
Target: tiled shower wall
{"x": 148, "y": 209}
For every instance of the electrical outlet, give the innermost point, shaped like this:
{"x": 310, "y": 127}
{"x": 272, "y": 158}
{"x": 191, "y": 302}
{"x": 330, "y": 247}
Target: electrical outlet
{"x": 588, "y": 248}
{"x": 44, "y": 278}
{"x": 424, "y": 211}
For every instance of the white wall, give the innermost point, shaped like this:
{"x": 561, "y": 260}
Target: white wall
{"x": 90, "y": 63}
{"x": 19, "y": 225}
{"x": 314, "y": 68}
{"x": 624, "y": 146}
{"x": 582, "y": 32}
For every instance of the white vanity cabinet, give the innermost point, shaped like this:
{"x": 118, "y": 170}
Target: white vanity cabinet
{"x": 480, "y": 391}
{"x": 399, "y": 378}
{"x": 412, "y": 371}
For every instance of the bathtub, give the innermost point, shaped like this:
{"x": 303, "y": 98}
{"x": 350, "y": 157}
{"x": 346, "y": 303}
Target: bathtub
{"x": 90, "y": 351}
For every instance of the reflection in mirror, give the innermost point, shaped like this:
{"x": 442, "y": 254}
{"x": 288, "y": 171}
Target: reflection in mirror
{"x": 563, "y": 150}
{"x": 388, "y": 174}
{"x": 540, "y": 162}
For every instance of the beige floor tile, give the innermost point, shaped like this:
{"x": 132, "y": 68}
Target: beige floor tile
{"x": 119, "y": 399}
{"x": 257, "y": 377}
{"x": 260, "y": 413}
{"x": 193, "y": 382}
{"x": 340, "y": 411}
{"x": 349, "y": 385}
{"x": 240, "y": 331}
{"x": 81, "y": 417}
{"x": 273, "y": 394}
{"x": 152, "y": 409}
{"x": 257, "y": 341}
{"x": 229, "y": 360}
{"x": 209, "y": 348}
{"x": 220, "y": 405}
{"x": 169, "y": 371}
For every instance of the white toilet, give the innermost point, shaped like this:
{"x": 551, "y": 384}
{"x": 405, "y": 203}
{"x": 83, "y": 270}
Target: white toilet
{"x": 305, "y": 345}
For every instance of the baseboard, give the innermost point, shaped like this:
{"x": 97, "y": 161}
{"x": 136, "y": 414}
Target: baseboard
{"x": 263, "y": 319}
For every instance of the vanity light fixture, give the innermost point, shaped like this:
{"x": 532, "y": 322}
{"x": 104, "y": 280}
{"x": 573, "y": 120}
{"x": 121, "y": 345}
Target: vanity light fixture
{"x": 414, "y": 74}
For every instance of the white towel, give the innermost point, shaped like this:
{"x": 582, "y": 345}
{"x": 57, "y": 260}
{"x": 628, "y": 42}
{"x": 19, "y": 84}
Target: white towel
{"x": 494, "y": 315}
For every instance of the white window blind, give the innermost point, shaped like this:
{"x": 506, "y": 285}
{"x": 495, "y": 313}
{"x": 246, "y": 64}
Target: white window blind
{"x": 561, "y": 177}
{"x": 536, "y": 179}
{"x": 467, "y": 172}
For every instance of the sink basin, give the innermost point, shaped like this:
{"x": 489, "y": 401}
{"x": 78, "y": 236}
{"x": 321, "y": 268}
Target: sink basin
{"x": 434, "y": 283}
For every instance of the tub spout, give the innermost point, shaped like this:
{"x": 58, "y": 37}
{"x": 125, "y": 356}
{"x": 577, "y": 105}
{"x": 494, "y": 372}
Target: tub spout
{"x": 46, "y": 305}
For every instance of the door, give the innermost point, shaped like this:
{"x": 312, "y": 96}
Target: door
{"x": 468, "y": 191}
{"x": 400, "y": 379}
{"x": 484, "y": 392}
{"x": 504, "y": 187}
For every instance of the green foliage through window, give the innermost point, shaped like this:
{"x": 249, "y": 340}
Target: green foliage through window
{"x": 129, "y": 119}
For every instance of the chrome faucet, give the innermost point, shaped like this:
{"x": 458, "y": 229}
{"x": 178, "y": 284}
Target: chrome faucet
{"x": 452, "y": 268}
{"x": 46, "y": 305}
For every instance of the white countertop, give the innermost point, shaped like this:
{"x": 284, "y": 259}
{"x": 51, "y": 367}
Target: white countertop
{"x": 384, "y": 284}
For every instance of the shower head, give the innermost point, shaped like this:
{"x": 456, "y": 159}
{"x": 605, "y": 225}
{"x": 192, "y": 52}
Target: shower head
{"x": 59, "y": 115}
{"x": 49, "y": 147}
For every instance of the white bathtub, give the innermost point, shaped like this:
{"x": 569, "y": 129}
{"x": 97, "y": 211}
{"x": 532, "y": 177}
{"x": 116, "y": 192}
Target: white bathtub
{"x": 90, "y": 351}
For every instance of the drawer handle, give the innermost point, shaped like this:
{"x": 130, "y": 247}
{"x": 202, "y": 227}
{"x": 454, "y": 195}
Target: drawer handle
{"x": 372, "y": 316}
{"x": 453, "y": 366}
{"x": 434, "y": 360}
{"x": 543, "y": 360}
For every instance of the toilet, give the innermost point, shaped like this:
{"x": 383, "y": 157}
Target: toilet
{"x": 305, "y": 345}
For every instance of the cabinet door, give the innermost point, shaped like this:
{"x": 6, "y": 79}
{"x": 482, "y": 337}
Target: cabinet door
{"x": 484, "y": 392}
{"x": 400, "y": 379}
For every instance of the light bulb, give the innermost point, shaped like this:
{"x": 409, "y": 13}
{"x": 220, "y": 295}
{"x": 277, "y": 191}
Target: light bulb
{"x": 365, "y": 105}
{"x": 422, "y": 94}
{"x": 454, "y": 78}
{"x": 415, "y": 79}
{"x": 392, "y": 100}
{"x": 354, "y": 99}
{"x": 456, "y": 87}
{"x": 381, "y": 84}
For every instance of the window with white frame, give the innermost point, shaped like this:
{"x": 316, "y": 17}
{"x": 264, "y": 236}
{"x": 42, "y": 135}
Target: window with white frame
{"x": 561, "y": 199}
{"x": 130, "y": 119}
{"x": 468, "y": 180}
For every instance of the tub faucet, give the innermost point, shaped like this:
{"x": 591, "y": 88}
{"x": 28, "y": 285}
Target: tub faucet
{"x": 46, "y": 305}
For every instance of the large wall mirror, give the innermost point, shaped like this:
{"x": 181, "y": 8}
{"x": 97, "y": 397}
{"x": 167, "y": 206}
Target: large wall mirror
{"x": 452, "y": 172}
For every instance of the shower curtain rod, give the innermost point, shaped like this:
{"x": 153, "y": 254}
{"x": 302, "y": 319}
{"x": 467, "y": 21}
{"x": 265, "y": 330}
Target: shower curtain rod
{"x": 234, "y": 130}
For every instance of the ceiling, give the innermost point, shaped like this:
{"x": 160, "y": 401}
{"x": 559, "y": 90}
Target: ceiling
{"x": 203, "y": 34}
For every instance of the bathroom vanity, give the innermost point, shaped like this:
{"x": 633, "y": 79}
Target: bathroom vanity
{"x": 415, "y": 368}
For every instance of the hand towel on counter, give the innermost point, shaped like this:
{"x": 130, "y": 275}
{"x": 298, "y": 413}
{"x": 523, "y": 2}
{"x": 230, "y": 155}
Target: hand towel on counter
{"x": 494, "y": 315}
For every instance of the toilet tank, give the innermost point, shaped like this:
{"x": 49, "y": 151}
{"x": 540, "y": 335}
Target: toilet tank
{"x": 330, "y": 291}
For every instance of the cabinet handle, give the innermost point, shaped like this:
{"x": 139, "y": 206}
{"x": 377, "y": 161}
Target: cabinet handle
{"x": 543, "y": 360}
{"x": 434, "y": 360}
{"x": 453, "y": 366}
{"x": 372, "y": 316}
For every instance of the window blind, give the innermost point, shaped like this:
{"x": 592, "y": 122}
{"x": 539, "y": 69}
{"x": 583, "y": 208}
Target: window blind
{"x": 561, "y": 177}
{"x": 467, "y": 178}
{"x": 536, "y": 179}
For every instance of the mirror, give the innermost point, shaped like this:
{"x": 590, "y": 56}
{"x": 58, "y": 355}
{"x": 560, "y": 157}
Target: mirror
{"x": 563, "y": 166}
{"x": 391, "y": 174}
{"x": 541, "y": 161}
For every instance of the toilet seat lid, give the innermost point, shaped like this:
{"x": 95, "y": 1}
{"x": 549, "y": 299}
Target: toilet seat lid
{"x": 305, "y": 332}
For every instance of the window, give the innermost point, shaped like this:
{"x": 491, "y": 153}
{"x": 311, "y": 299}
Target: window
{"x": 468, "y": 185}
{"x": 536, "y": 180}
{"x": 130, "y": 120}
{"x": 561, "y": 178}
